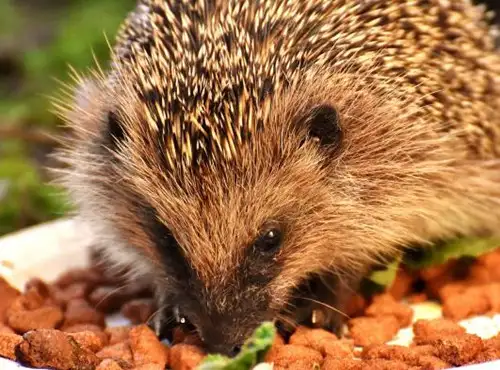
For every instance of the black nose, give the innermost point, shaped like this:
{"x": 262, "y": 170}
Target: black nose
{"x": 223, "y": 349}
{"x": 234, "y": 351}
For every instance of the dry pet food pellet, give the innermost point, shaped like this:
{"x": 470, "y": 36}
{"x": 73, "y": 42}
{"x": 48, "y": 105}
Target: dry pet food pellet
{"x": 8, "y": 343}
{"x": 54, "y": 349}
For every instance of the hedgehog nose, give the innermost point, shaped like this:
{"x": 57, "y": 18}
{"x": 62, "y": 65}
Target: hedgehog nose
{"x": 234, "y": 351}
{"x": 224, "y": 349}
{"x": 223, "y": 342}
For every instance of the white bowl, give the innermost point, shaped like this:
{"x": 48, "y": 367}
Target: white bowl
{"x": 49, "y": 249}
{"x": 45, "y": 251}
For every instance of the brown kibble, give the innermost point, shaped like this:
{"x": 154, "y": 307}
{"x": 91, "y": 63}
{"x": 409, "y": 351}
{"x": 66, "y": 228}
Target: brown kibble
{"x": 493, "y": 342}
{"x": 88, "y": 340}
{"x": 54, "y": 349}
{"x": 78, "y": 311}
{"x": 108, "y": 364}
{"x": 5, "y": 329}
{"x": 402, "y": 285}
{"x": 355, "y": 306}
{"x": 124, "y": 364}
{"x": 432, "y": 363}
{"x": 90, "y": 327}
{"x": 458, "y": 350}
{"x": 417, "y": 298}
{"x": 41, "y": 287}
{"x": 373, "y": 330}
{"x": 451, "y": 289}
{"x": 491, "y": 261}
{"x": 385, "y": 365}
{"x": 146, "y": 348}
{"x": 426, "y": 331}
{"x": 116, "y": 351}
{"x": 322, "y": 341}
{"x": 386, "y": 305}
{"x": 9, "y": 295}
{"x": 293, "y": 356}
{"x": 138, "y": 311}
{"x": 89, "y": 276}
{"x": 489, "y": 354}
{"x": 46, "y": 317}
{"x": 277, "y": 342}
{"x": 435, "y": 272}
{"x": 8, "y": 343}
{"x": 390, "y": 352}
{"x": 109, "y": 299}
{"x": 423, "y": 350}
{"x": 331, "y": 363}
{"x": 340, "y": 349}
{"x": 73, "y": 291}
{"x": 492, "y": 293}
{"x": 472, "y": 301}
{"x": 437, "y": 277}
{"x": 479, "y": 274}
{"x": 30, "y": 300}
{"x": 117, "y": 334}
{"x": 312, "y": 338}
{"x": 185, "y": 356}
{"x": 151, "y": 366}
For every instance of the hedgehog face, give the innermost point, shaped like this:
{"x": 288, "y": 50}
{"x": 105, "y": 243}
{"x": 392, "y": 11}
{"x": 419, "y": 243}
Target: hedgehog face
{"x": 234, "y": 259}
{"x": 231, "y": 243}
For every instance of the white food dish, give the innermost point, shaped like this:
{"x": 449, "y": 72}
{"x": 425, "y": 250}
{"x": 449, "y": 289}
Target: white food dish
{"x": 49, "y": 249}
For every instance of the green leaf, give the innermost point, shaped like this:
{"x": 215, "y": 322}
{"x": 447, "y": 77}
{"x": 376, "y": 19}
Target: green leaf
{"x": 386, "y": 276}
{"x": 252, "y": 352}
{"x": 453, "y": 249}
{"x": 436, "y": 254}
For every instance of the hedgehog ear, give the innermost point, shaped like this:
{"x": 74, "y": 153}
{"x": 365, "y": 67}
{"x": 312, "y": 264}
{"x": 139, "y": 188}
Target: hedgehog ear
{"x": 115, "y": 132}
{"x": 324, "y": 126}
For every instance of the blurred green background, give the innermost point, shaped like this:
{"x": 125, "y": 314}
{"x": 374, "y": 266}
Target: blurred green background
{"x": 38, "y": 40}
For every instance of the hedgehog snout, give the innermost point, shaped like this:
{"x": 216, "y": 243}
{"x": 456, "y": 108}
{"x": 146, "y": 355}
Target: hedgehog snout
{"x": 226, "y": 333}
{"x": 223, "y": 339}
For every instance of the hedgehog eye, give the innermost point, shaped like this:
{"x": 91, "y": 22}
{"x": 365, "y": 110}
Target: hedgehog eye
{"x": 269, "y": 241}
{"x": 324, "y": 127}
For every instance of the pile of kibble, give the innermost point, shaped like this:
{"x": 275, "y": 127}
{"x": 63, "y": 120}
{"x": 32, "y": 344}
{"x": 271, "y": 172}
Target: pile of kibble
{"x": 62, "y": 325}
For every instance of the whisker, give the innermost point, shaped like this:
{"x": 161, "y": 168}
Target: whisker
{"x": 156, "y": 313}
{"x": 324, "y": 305}
{"x": 114, "y": 291}
{"x": 288, "y": 320}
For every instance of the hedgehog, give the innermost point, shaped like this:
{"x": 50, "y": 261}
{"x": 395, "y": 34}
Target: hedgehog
{"x": 252, "y": 159}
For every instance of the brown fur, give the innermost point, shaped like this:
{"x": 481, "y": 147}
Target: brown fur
{"x": 419, "y": 158}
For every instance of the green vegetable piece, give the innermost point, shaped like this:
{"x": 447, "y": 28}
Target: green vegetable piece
{"x": 385, "y": 277}
{"x": 252, "y": 352}
{"x": 453, "y": 249}
{"x": 437, "y": 254}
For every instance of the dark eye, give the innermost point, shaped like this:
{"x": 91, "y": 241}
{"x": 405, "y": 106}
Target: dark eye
{"x": 269, "y": 241}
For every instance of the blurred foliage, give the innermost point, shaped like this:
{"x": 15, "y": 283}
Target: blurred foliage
{"x": 39, "y": 39}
